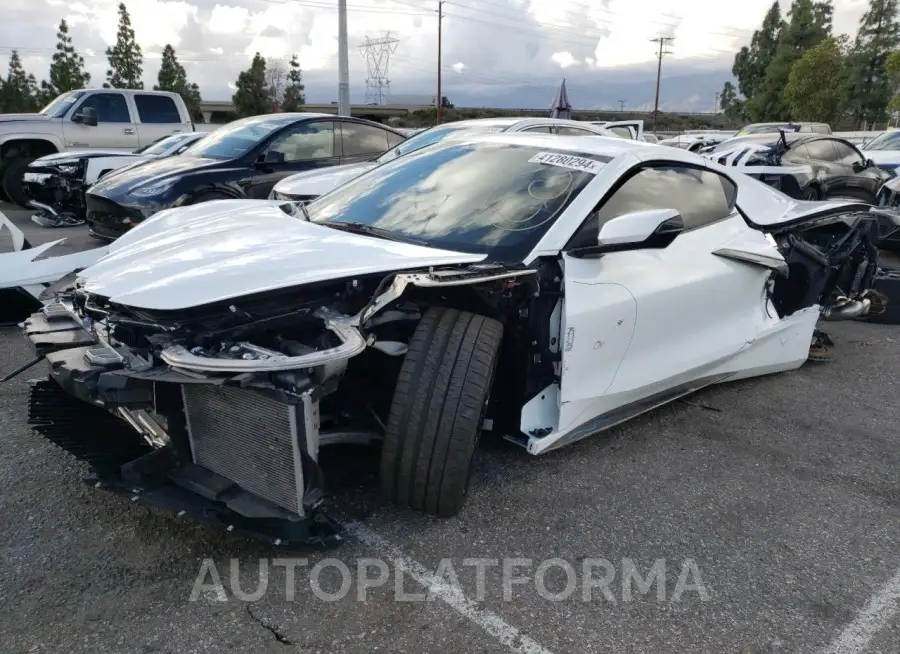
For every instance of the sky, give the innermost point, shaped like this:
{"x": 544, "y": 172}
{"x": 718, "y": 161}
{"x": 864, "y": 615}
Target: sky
{"x": 495, "y": 52}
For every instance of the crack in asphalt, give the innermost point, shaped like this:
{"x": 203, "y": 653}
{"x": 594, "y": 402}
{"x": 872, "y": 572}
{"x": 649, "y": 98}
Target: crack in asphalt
{"x": 279, "y": 636}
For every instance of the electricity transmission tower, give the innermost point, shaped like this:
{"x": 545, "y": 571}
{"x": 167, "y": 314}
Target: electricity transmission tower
{"x": 377, "y": 53}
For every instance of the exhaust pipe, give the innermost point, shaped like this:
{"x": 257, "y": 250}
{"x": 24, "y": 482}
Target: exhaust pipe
{"x": 847, "y": 310}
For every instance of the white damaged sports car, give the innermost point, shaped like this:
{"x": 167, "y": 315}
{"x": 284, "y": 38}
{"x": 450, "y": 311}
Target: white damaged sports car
{"x": 536, "y": 288}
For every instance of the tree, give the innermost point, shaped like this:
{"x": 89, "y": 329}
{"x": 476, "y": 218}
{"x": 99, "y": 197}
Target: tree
{"x": 126, "y": 61}
{"x": 19, "y": 92}
{"x": 751, "y": 62}
{"x": 809, "y": 22}
{"x": 729, "y": 103}
{"x": 173, "y": 77}
{"x": 878, "y": 35}
{"x": 294, "y": 96}
{"x": 276, "y": 84}
{"x": 816, "y": 88}
{"x": 67, "y": 71}
{"x": 251, "y": 96}
{"x": 892, "y": 65}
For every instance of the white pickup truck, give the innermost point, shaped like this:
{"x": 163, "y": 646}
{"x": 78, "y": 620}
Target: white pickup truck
{"x": 108, "y": 119}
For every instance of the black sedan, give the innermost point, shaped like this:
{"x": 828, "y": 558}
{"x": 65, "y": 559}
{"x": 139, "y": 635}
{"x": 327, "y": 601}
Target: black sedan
{"x": 241, "y": 160}
{"x": 804, "y": 166}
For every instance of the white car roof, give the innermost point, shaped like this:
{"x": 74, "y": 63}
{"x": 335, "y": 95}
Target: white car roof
{"x": 609, "y": 146}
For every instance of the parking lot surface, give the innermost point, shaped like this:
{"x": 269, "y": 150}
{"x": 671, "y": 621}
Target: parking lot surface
{"x": 772, "y": 504}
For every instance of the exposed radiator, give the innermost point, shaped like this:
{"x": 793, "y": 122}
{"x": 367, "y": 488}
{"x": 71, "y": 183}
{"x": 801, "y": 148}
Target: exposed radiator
{"x": 249, "y": 438}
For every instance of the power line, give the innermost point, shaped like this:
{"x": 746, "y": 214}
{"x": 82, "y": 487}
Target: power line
{"x": 662, "y": 40}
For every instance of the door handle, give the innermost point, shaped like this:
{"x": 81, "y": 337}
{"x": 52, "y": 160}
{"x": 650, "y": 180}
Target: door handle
{"x": 128, "y": 130}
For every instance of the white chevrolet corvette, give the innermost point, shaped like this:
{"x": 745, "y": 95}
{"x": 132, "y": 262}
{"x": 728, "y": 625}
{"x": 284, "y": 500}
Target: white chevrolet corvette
{"x": 536, "y": 288}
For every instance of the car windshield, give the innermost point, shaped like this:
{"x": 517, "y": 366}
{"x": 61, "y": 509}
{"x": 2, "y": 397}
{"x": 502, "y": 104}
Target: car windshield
{"x": 162, "y": 145}
{"x": 59, "y": 106}
{"x": 435, "y": 135}
{"x": 886, "y": 141}
{"x": 487, "y": 198}
{"x": 238, "y": 138}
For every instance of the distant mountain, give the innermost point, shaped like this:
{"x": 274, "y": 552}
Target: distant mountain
{"x": 687, "y": 92}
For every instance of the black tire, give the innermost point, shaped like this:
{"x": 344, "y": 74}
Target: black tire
{"x": 208, "y": 196}
{"x": 810, "y": 193}
{"x": 13, "y": 186}
{"x": 438, "y": 409}
{"x": 888, "y": 284}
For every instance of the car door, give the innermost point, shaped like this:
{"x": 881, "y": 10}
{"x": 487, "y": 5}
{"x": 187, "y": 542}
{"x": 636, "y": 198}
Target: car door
{"x": 115, "y": 128}
{"x": 158, "y": 116}
{"x": 859, "y": 181}
{"x": 300, "y": 147}
{"x": 824, "y": 156}
{"x": 361, "y": 141}
{"x": 640, "y": 324}
{"x": 628, "y": 129}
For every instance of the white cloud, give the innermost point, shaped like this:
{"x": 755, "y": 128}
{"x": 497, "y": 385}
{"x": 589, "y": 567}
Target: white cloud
{"x": 513, "y": 49}
{"x": 564, "y": 59}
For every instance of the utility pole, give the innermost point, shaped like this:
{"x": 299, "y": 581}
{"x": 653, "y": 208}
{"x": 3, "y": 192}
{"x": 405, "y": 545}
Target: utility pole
{"x": 716, "y": 105}
{"x": 343, "y": 61}
{"x": 662, "y": 40}
{"x": 621, "y": 105}
{"x": 439, "y": 100}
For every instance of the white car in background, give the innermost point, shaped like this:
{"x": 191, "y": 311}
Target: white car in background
{"x": 884, "y": 150}
{"x": 309, "y": 185}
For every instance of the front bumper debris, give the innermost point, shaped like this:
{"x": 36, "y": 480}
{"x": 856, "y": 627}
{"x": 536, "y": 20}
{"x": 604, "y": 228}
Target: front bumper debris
{"x": 241, "y": 458}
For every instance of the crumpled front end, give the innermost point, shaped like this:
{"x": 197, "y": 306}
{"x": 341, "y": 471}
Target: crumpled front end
{"x": 220, "y": 410}
{"x": 56, "y": 188}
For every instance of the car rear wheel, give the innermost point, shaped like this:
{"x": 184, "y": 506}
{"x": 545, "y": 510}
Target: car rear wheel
{"x": 13, "y": 186}
{"x": 438, "y": 410}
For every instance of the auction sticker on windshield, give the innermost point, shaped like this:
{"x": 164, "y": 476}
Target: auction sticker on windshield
{"x": 572, "y": 162}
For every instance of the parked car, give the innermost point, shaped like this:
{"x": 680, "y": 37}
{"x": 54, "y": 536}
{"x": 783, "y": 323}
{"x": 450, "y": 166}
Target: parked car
{"x": 807, "y": 166}
{"x": 309, "y": 185}
{"x": 790, "y": 126}
{"x": 56, "y": 183}
{"x": 243, "y": 159}
{"x": 530, "y": 287}
{"x": 697, "y": 141}
{"x": 86, "y": 119}
{"x": 626, "y": 129}
{"x": 884, "y": 150}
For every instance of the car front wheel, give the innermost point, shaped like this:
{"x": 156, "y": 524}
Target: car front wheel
{"x": 438, "y": 410}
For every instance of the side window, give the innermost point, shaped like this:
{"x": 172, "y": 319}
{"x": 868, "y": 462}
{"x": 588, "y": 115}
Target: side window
{"x": 798, "y": 152}
{"x": 821, "y": 129}
{"x": 543, "y": 129}
{"x": 701, "y": 197}
{"x": 156, "y": 109}
{"x": 821, "y": 150}
{"x": 363, "y": 139}
{"x": 110, "y": 107}
{"x": 303, "y": 142}
{"x": 574, "y": 131}
{"x": 846, "y": 154}
{"x": 622, "y": 131}
{"x": 394, "y": 139}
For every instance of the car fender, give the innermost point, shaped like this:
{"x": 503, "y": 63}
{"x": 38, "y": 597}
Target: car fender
{"x": 52, "y": 139}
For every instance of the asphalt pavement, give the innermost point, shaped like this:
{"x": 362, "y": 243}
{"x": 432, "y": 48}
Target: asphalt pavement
{"x": 769, "y": 509}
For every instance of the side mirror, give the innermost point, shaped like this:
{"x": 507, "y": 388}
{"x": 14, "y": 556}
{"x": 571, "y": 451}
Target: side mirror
{"x": 870, "y": 163}
{"x": 637, "y": 230}
{"x": 86, "y": 116}
{"x": 270, "y": 157}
